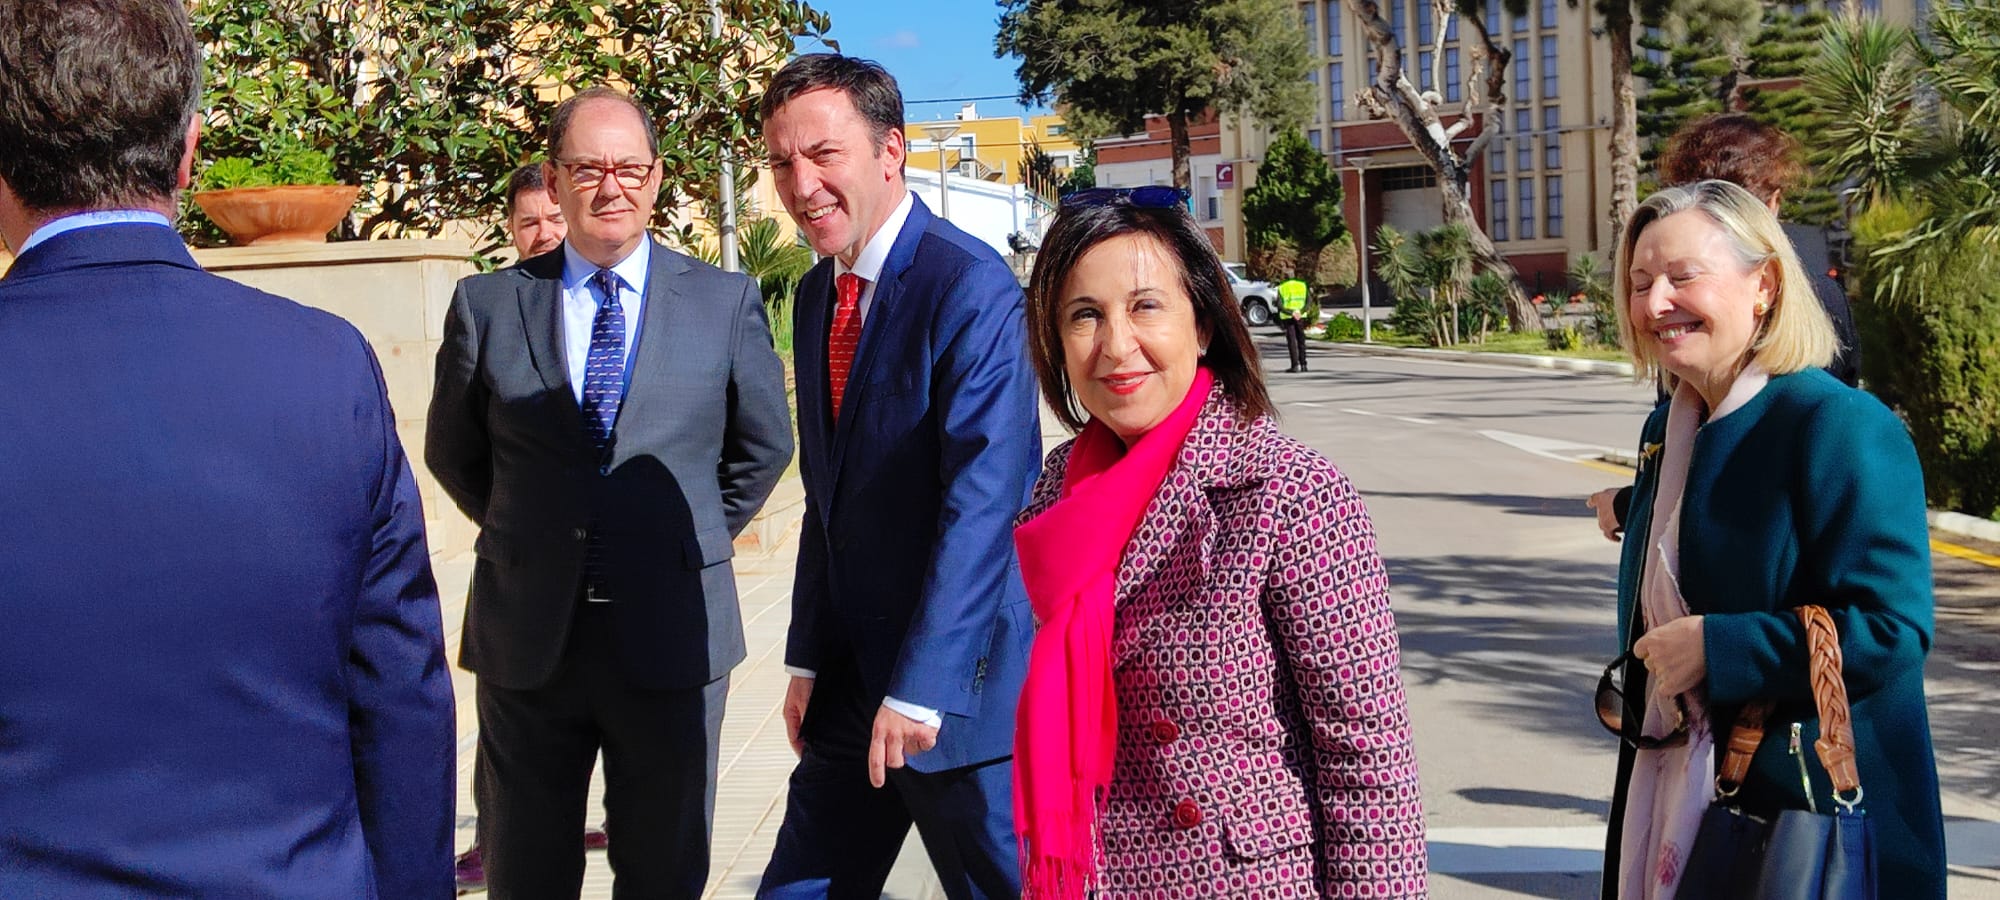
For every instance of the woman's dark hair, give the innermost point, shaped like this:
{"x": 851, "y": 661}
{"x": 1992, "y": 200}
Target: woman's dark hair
{"x": 1231, "y": 354}
{"x": 1736, "y": 148}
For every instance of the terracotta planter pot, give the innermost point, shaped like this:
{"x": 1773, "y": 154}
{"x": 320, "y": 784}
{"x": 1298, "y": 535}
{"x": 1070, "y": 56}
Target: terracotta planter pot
{"x": 283, "y": 214}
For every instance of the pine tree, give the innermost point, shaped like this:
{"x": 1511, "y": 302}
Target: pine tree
{"x": 1781, "y": 50}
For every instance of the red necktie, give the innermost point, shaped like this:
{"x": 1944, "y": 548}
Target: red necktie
{"x": 845, "y": 336}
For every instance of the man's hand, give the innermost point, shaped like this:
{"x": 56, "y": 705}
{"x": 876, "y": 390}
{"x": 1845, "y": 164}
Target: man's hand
{"x": 1674, "y": 656}
{"x": 896, "y": 736}
{"x": 796, "y": 695}
{"x": 1605, "y": 502}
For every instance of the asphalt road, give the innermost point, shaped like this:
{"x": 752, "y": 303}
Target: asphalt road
{"x": 1475, "y": 476}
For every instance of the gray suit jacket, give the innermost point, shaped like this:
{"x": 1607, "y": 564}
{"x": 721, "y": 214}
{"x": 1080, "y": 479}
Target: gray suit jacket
{"x": 701, "y": 438}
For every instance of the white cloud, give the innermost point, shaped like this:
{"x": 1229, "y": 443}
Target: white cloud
{"x": 901, "y": 40}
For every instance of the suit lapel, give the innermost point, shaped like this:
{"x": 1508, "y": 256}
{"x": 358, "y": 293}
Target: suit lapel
{"x": 659, "y": 340}
{"x": 810, "y": 319}
{"x": 541, "y": 320}
{"x": 882, "y": 326}
{"x": 1166, "y": 562}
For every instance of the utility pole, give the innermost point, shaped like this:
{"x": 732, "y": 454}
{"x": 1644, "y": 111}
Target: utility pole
{"x": 726, "y": 235}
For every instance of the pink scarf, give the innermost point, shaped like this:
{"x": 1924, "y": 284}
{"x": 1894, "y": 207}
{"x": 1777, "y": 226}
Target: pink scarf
{"x": 1066, "y": 729}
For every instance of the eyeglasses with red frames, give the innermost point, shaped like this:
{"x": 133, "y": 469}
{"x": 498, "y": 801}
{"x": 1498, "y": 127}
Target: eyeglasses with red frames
{"x": 589, "y": 173}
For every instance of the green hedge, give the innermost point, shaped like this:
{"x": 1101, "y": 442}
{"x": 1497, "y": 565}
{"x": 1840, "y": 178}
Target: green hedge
{"x": 1937, "y": 362}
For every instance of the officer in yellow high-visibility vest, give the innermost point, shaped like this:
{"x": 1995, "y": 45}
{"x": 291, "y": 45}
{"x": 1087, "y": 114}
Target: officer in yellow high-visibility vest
{"x": 1292, "y": 315}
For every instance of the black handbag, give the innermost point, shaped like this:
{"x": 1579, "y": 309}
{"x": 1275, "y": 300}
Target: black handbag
{"x": 1801, "y": 854}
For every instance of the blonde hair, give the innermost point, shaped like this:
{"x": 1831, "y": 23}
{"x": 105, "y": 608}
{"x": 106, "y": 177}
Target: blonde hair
{"x": 1795, "y": 335}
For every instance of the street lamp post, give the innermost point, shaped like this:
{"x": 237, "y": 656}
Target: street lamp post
{"x": 938, "y": 135}
{"x": 1361, "y": 243}
{"x": 726, "y": 235}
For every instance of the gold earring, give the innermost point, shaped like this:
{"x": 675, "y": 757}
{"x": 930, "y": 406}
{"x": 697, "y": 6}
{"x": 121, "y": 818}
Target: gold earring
{"x": 1762, "y": 307}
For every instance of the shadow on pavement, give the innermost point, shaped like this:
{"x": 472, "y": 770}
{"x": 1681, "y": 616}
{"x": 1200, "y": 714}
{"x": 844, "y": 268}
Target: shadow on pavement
{"x": 1537, "y": 800}
{"x": 1514, "y": 504}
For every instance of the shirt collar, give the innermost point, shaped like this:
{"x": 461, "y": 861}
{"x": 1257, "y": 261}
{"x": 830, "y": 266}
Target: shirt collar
{"x": 91, "y": 219}
{"x": 631, "y": 270}
{"x": 875, "y": 253}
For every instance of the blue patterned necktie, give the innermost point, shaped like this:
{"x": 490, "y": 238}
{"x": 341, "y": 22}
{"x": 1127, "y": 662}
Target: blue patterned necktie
{"x": 603, "y": 390}
{"x": 604, "y": 367}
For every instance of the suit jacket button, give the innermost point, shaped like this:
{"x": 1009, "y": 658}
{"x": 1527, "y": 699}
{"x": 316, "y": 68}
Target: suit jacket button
{"x": 581, "y": 534}
{"x": 1166, "y": 732}
{"x": 1186, "y": 814}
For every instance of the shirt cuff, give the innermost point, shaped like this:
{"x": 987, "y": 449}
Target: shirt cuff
{"x": 923, "y": 714}
{"x": 797, "y": 672}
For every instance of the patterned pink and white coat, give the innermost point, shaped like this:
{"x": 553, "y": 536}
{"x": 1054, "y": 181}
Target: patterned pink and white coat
{"x": 1263, "y": 738}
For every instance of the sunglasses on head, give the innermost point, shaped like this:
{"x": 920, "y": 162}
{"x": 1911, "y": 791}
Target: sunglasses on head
{"x": 1624, "y": 715}
{"x": 1154, "y": 196}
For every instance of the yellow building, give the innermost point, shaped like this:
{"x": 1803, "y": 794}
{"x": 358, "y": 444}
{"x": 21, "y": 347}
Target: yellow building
{"x": 989, "y": 149}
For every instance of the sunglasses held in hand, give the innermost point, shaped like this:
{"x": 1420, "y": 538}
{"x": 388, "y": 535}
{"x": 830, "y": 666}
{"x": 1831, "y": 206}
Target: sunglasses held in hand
{"x": 1625, "y": 715}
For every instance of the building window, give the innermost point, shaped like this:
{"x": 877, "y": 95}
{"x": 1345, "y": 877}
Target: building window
{"x": 1496, "y": 153}
{"x": 1452, "y": 88}
{"x": 1423, "y": 21}
{"x": 1550, "y": 71}
{"x": 1336, "y": 89}
{"x": 1312, "y": 137}
{"x": 1521, "y": 68}
{"x": 1499, "y": 219}
{"x": 1406, "y": 178}
{"x": 1211, "y": 205}
{"x": 1524, "y": 142}
{"x": 1309, "y": 14}
{"x": 1333, "y": 137}
{"x": 1493, "y": 20}
{"x": 1552, "y": 197}
{"x": 1399, "y": 22}
{"x": 1312, "y": 83}
{"x": 1055, "y": 130}
{"x": 1333, "y": 14}
{"x": 1548, "y": 14}
{"x": 1451, "y": 28}
{"x": 1424, "y": 61}
{"x": 1552, "y": 148}
{"x": 1527, "y": 201}
{"x": 1520, "y": 23}
{"x": 1656, "y": 57}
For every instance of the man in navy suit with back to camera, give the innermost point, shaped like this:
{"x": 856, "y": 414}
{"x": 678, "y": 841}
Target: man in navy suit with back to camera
{"x": 222, "y": 668}
{"x": 919, "y": 439}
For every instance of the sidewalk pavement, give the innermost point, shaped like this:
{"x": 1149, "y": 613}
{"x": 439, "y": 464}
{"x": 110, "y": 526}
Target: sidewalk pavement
{"x": 756, "y": 760}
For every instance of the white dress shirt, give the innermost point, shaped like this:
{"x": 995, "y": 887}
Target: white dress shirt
{"x": 91, "y": 219}
{"x": 580, "y": 301}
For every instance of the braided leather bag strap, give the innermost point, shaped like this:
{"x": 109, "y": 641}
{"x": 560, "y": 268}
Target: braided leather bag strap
{"x": 1836, "y": 722}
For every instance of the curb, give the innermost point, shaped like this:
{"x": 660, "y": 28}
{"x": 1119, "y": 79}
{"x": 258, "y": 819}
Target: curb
{"x": 1519, "y": 360}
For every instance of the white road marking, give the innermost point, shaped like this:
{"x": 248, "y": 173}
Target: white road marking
{"x": 1552, "y": 448}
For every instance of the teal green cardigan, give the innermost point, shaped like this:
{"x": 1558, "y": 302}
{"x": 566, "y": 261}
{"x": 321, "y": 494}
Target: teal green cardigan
{"x": 1808, "y": 494}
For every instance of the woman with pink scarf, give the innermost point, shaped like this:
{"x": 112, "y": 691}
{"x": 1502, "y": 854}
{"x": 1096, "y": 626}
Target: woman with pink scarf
{"x": 1764, "y": 484}
{"x": 1213, "y": 706}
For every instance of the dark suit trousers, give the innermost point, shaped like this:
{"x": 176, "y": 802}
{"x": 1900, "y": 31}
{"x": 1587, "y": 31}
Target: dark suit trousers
{"x": 1295, "y": 341}
{"x": 537, "y": 748}
{"x": 841, "y": 835}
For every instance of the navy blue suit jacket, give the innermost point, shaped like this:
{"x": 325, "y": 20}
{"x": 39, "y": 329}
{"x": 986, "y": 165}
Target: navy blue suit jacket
{"x": 906, "y": 554}
{"x": 221, "y": 665}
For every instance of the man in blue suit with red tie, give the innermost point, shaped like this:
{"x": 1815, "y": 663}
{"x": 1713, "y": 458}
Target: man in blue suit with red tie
{"x": 221, "y": 663}
{"x": 919, "y": 440}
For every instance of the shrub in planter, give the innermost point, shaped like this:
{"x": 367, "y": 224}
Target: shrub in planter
{"x": 1343, "y": 327}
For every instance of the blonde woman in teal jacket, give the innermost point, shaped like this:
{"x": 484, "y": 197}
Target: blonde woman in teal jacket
{"x": 1764, "y": 484}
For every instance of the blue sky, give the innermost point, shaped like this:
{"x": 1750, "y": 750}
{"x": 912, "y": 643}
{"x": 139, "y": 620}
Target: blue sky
{"x": 935, "y": 48}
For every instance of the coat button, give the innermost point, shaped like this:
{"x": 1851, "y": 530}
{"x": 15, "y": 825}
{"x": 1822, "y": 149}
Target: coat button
{"x": 1186, "y": 814}
{"x": 1166, "y": 732}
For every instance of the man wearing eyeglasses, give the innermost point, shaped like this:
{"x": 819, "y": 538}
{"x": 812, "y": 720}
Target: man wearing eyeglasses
{"x": 920, "y": 439}
{"x": 611, "y": 415}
